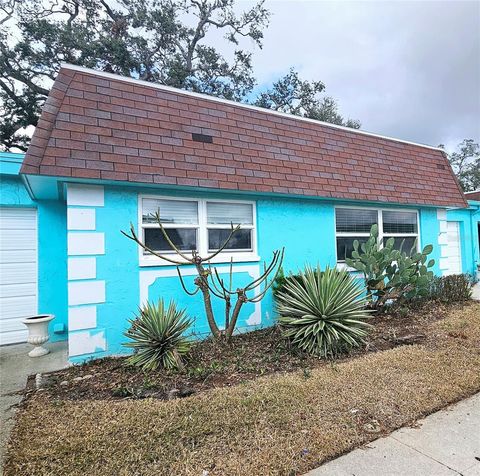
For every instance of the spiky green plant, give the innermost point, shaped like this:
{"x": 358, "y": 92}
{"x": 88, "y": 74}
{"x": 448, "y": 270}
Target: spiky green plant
{"x": 158, "y": 337}
{"x": 391, "y": 274}
{"x": 323, "y": 312}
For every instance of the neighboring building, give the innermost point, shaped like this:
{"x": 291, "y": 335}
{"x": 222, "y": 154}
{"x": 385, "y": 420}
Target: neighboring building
{"x": 464, "y": 237}
{"x": 110, "y": 150}
{"x": 33, "y": 255}
{"x": 475, "y": 195}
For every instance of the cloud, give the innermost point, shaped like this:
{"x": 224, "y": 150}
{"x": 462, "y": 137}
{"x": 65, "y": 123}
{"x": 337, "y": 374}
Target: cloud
{"x": 405, "y": 69}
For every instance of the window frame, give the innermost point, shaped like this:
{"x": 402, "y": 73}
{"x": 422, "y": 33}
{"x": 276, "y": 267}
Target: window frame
{"x": 381, "y": 234}
{"x": 202, "y": 231}
{"x": 212, "y": 226}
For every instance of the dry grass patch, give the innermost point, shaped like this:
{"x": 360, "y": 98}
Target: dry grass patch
{"x": 280, "y": 425}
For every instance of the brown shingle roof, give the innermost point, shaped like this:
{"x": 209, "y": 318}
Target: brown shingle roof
{"x": 475, "y": 195}
{"x": 101, "y": 126}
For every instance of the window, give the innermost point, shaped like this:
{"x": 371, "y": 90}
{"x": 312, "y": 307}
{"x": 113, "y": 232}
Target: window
{"x": 197, "y": 224}
{"x": 355, "y": 223}
{"x": 220, "y": 216}
{"x": 178, "y": 217}
{"x": 402, "y": 226}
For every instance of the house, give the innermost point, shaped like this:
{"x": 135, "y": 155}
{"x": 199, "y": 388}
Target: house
{"x": 464, "y": 237}
{"x": 110, "y": 150}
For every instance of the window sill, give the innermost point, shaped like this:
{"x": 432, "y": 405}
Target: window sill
{"x": 238, "y": 258}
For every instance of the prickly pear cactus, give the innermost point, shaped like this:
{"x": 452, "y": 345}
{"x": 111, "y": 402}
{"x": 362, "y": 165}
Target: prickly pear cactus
{"x": 390, "y": 273}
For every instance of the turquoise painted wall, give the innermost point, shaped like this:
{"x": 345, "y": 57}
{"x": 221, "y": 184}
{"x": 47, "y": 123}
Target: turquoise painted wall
{"x": 10, "y": 163}
{"x": 52, "y": 265}
{"x": 52, "y": 251}
{"x": 13, "y": 192}
{"x": 118, "y": 266}
{"x": 429, "y": 231}
{"x": 468, "y": 219}
{"x": 120, "y": 269}
{"x": 305, "y": 227}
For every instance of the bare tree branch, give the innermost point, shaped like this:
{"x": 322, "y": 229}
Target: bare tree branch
{"x": 210, "y": 283}
{"x": 190, "y": 293}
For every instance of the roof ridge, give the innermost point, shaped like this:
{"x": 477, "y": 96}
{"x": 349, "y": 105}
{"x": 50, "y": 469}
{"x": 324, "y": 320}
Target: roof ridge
{"x": 238, "y": 104}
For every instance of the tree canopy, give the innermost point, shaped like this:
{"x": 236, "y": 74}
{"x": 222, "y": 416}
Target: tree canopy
{"x": 466, "y": 164}
{"x": 172, "y": 42}
{"x": 293, "y": 95}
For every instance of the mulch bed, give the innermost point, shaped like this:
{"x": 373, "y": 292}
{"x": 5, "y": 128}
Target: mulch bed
{"x": 213, "y": 364}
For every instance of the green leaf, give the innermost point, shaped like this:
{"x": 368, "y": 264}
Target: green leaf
{"x": 427, "y": 249}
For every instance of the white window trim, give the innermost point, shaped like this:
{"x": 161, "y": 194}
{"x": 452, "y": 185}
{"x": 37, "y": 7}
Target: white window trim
{"x": 202, "y": 232}
{"x": 341, "y": 263}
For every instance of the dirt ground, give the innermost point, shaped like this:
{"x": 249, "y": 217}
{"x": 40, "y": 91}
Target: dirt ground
{"x": 213, "y": 364}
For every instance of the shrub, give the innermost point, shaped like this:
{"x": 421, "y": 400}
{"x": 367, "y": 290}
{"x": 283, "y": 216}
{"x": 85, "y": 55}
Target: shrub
{"x": 391, "y": 274}
{"x": 322, "y": 312}
{"x": 281, "y": 280}
{"x": 157, "y": 337}
{"x": 453, "y": 288}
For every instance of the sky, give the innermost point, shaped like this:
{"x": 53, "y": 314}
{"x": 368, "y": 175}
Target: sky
{"x": 410, "y": 70}
{"x": 405, "y": 69}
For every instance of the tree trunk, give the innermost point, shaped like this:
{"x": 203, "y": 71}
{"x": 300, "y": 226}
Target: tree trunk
{"x": 209, "y": 312}
{"x": 207, "y": 300}
{"x": 228, "y": 306}
{"x": 235, "y": 313}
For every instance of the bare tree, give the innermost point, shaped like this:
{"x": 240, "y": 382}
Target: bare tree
{"x": 209, "y": 282}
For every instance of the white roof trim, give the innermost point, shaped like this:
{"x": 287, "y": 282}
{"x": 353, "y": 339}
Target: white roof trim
{"x": 472, "y": 191}
{"x": 238, "y": 104}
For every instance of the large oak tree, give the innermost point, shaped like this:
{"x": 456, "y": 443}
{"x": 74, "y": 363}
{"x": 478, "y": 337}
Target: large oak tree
{"x": 172, "y": 42}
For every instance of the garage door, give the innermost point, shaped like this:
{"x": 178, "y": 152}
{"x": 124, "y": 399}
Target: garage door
{"x": 18, "y": 272}
{"x": 454, "y": 255}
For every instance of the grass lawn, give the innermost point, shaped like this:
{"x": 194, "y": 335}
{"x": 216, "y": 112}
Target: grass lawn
{"x": 281, "y": 424}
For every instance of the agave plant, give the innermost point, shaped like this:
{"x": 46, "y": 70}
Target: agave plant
{"x": 158, "y": 337}
{"x": 323, "y": 312}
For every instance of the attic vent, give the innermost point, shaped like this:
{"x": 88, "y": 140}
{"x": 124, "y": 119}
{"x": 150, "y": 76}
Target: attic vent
{"x": 441, "y": 166}
{"x": 202, "y": 138}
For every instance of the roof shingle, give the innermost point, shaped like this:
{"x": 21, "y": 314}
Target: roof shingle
{"x": 475, "y": 195}
{"x": 101, "y": 126}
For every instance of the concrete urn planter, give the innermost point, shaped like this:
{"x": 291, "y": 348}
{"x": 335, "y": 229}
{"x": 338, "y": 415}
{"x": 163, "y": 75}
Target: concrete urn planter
{"x": 38, "y": 333}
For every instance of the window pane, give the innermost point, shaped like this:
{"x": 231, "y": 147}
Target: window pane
{"x": 226, "y": 213}
{"x": 355, "y": 220}
{"x": 399, "y": 222}
{"x": 241, "y": 240}
{"x": 409, "y": 241}
{"x": 184, "y": 239}
{"x": 345, "y": 246}
{"x": 171, "y": 211}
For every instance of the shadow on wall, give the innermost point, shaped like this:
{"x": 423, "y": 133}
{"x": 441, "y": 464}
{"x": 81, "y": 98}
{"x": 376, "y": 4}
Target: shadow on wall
{"x": 166, "y": 285}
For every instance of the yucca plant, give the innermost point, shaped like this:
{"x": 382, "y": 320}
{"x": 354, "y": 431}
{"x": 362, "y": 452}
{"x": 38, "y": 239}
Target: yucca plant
{"x": 158, "y": 337}
{"x": 323, "y": 312}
